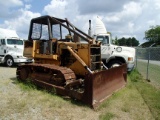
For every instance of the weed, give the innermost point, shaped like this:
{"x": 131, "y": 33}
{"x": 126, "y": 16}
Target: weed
{"x": 125, "y": 109}
{"x": 106, "y": 116}
{"x": 26, "y": 86}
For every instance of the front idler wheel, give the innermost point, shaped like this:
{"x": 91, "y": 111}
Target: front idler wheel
{"x": 23, "y": 74}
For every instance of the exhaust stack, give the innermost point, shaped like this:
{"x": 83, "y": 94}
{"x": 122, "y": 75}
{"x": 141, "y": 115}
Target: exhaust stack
{"x": 89, "y": 30}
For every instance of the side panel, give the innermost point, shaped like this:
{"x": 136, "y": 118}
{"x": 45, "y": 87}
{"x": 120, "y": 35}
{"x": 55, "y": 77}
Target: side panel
{"x": 28, "y": 49}
{"x": 82, "y": 50}
{"x": 76, "y": 66}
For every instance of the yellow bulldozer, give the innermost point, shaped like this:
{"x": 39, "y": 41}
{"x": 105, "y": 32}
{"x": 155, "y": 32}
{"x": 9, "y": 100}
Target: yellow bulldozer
{"x": 67, "y": 65}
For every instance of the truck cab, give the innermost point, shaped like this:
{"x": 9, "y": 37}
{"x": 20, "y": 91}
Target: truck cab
{"x": 113, "y": 55}
{"x": 11, "y": 49}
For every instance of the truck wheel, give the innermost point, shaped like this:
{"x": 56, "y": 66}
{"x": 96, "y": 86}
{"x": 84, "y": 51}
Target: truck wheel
{"x": 114, "y": 63}
{"x": 9, "y": 61}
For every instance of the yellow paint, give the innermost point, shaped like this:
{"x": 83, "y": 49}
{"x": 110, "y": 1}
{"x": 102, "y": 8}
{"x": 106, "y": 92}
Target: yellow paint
{"x": 81, "y": 49}
{"x": 83, "y": 53}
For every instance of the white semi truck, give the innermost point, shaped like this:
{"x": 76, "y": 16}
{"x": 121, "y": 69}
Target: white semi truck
{"x": 112, "y": 55}
{"x": 11, "y": 48}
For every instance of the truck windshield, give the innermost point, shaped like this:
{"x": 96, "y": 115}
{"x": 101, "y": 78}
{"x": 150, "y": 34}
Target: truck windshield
{"x": 14, "y": 42}
{"x": 103, "y": 39}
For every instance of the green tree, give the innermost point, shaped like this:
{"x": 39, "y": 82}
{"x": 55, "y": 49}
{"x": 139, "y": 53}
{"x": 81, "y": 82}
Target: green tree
{"x": 122, "y": 41}
{"x": 153, "y": 34}
{"x": 116, "y": 41}
{"x": 135, "y": 42}
{"x": 128, "y": 41}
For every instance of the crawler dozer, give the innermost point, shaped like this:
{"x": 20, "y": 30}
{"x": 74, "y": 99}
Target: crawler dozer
{"x": 68, "y": 62}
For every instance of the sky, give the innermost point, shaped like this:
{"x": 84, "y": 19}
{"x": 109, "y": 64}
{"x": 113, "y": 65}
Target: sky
{"x": 123, "y": 18}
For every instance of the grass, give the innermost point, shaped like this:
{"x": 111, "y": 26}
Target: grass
{"x": 150, "y": 94}
{"x": 137, "y": 101}
{"x": 26, "y": 86}
{"x": 106, "y": 116}
{"x": 126, "y": 104}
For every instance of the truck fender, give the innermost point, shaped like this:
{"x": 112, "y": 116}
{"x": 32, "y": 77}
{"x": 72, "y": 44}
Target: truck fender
{"x": 114, "y": 60}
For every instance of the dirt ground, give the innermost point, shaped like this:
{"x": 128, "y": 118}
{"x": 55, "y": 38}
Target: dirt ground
{"x": 32, "y": 104}
{"x": 19, "y": 104}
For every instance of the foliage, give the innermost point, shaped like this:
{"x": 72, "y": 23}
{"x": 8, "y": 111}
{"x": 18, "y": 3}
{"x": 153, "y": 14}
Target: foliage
{"x": 147, "y": 44}
{"x": 115, "y": 41}
{"x": 153, "y": 34}
{"x": 127, "y": 41}
{"x": 150, "y": 44}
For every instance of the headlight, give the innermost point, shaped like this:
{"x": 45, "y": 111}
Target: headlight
{"x": 119, "y": 49}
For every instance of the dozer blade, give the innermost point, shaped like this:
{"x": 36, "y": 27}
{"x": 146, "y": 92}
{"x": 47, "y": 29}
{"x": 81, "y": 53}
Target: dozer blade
{"x": 101, "y": 85}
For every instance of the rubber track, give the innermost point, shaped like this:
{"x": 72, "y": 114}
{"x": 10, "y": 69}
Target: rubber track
{"x": 67, "y": 72}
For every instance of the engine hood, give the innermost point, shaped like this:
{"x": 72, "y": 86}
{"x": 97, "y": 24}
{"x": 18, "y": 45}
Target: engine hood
{"x": 126, "y": 50}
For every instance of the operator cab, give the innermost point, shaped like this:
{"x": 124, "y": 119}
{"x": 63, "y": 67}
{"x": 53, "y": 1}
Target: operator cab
{"x": 47, "y": 31}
